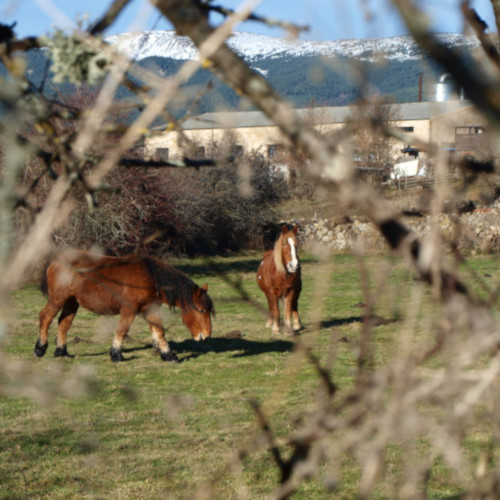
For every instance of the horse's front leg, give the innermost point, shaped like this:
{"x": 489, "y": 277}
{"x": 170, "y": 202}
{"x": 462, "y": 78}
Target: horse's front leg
{"x": 152, "y": 316}
{"x": 127, "y": 316}
{"x": 288, "y": 314}
{"x": 47, "y": 314}
{"x": 295, "y": 312}
{"x": 273, "y": 320}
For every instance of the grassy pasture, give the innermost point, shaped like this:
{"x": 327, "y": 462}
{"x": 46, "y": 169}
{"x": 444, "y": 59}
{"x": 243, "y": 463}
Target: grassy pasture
{"x": 88, "y": 428}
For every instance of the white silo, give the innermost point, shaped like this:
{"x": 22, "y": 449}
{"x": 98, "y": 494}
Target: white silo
{"x": 445, "y": 90}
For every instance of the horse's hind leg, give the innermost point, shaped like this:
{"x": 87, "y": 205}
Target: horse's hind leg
{"x": 158, "y": 333}
{"x": 47, "y": 314}
{"x": 68, "y": 313}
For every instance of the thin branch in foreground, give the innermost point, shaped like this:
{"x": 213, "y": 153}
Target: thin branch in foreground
{"x": 7, "y": 32}
{"x": 293, "y": 29}
{"x": 478, "y": 85}
{"x": 109, "y": 17}
{"x": 264, "y": 424}
{"x": 327, "y": 162}
{"x": 480, "y": 27}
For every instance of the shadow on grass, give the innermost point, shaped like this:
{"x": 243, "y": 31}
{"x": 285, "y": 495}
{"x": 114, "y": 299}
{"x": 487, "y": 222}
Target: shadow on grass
{"x": 240, "y": 346}
{"x": 374, "y": 321}
{"x": 215, "y": 268}
{"x": 336, "y": 322}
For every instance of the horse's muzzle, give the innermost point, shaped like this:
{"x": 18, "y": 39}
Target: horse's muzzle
{"x": 291, "y": 267}
{"x": 201, "y": 337}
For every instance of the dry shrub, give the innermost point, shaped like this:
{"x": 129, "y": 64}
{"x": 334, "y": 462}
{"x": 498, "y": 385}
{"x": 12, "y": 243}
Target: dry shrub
{"x": 122, "y": 224}
{"x": 225, "y": 207}
{"x": 208, "y": 210}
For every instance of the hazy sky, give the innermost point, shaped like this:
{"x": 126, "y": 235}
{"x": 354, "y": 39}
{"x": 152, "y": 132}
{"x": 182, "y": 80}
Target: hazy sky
{"x": 328, "y": 19}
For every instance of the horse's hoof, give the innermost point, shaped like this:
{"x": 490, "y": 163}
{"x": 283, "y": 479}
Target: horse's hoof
{"x": 62, "y": 352}
{"x": 116, "y": 355}
{"x": 40, "y": 349}
{"x": 169, "y": 356}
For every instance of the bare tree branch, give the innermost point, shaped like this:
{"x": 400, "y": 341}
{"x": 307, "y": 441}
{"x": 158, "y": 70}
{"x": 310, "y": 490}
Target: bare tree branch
{"x": 479, "y": 86}
{"x": 480, "y": 27}
{"x": 292, "y": 29}
{"x": 191, "y": 20}
{"x": 109, "y": 17}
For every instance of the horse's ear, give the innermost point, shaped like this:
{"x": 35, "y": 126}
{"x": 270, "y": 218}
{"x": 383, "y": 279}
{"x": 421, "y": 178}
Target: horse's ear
{"x": 295, "y": 228}
{"x": 205, "y": 287}
{"x": 284, "y": 229}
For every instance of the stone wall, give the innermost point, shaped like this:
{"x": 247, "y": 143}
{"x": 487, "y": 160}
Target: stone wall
{"x": 477, "y": 231}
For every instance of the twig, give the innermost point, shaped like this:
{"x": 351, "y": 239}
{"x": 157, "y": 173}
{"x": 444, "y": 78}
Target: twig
{"x": 109, "y": 17}
{"x": 480, "y": 27}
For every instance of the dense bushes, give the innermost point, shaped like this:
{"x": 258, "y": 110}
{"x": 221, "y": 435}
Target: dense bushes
{"x": 171, "y": 211}
{"x": 222, "y": 208}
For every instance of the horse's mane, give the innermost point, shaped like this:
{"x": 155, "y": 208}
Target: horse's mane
{"x": 278, "y": 259}
{"x": 176, "y": 286}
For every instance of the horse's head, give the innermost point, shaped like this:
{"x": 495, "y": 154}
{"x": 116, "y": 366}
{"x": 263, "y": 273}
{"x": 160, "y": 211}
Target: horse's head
{"x": 289, "y": 248}
{"x": 197, "y": 317}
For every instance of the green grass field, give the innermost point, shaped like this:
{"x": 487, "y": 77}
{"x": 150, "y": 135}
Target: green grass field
{"x": 88, "y": 428}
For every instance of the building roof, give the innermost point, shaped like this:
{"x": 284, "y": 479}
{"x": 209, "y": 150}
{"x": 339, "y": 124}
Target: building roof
{"x": 321, "y": 115}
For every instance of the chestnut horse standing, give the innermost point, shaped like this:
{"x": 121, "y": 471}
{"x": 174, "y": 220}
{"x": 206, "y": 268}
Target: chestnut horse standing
{"x": 279, "y": 277}
{"x": 126, "y": 286}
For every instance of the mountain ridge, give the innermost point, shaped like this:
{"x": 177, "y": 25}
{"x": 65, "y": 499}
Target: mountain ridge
{"x": 253, "y": 47}
{"x": 304, "y": 73}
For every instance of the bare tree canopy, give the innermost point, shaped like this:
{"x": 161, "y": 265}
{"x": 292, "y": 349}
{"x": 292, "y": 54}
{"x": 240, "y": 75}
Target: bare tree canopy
{"x": 61, "y": 154}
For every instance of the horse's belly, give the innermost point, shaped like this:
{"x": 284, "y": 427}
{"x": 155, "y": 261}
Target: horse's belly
{"x": 281, "y": 288}
{"x": 106, "y": 299}
{"x": 98, "y": 305}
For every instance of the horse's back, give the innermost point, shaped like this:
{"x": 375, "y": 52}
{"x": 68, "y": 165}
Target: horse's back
{"x": 102, "y": 284}
{"x": 83, "y": 259}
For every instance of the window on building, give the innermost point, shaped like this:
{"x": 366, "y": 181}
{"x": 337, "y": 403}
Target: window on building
{"x": 275, "y": 150}
{"x": 137, "y": 152}
{"x": 357, "y": 156}
{"x": 469, "y": 130}
{"x": 162, "y": 154}
{"x": 407, "y": 129}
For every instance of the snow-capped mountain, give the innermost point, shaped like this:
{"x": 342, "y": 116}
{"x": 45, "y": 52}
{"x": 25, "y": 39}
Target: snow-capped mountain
{"x": 301, "y": 71}
{"x": 253, "y": 47}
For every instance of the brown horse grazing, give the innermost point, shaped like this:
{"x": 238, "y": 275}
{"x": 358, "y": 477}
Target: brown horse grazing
{"x": 279, "y": 277}
{"x": 121, "y": 285}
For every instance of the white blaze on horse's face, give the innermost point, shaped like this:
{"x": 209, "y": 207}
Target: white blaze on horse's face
{"x": 293, "y": 265}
